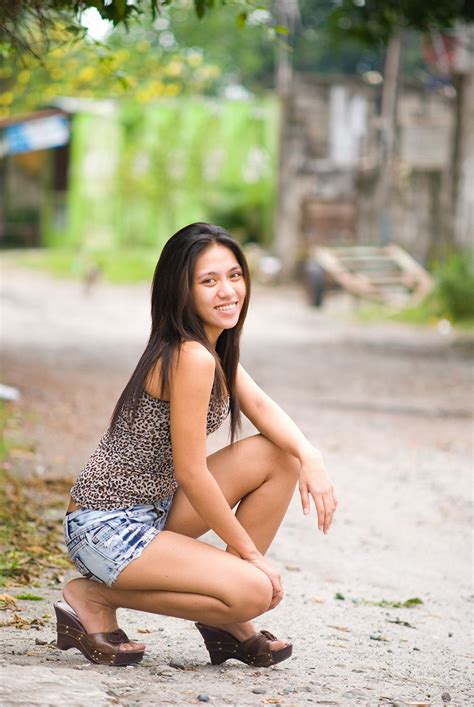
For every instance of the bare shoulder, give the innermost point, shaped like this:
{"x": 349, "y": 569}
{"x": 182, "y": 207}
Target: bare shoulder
{"x": 192, "y": 353}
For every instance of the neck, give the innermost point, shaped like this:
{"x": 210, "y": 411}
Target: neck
{"x": 213, "y": 335}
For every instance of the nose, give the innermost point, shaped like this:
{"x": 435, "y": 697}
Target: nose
{"x": 226, "y": 289}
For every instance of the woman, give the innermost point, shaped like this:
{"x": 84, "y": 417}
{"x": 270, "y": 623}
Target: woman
{"x": 148, "y": 491}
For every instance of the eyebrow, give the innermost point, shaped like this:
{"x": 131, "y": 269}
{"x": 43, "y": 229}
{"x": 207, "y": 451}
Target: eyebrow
{"x": 236, "y": 267}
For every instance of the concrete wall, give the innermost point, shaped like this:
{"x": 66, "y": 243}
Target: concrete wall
{"x": 330, "y": 157}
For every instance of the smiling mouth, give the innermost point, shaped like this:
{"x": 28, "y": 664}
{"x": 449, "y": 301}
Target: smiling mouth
{"x": 226, "y": 307}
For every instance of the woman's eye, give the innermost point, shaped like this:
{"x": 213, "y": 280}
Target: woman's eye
{"x": 237, "y": 274}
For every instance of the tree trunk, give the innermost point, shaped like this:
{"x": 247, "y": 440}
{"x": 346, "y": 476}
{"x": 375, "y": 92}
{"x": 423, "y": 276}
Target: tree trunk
{"x": 388, "y": 134}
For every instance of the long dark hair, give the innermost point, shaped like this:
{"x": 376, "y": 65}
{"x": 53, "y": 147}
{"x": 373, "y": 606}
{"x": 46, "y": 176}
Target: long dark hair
{"x": 174, "y": 320}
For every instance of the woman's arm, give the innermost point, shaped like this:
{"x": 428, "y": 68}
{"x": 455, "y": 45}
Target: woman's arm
{"x": 274, "y": 424}
{"x": 190, "y": 390}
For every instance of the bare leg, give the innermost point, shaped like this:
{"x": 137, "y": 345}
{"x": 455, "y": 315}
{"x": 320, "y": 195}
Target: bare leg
{"x": 253, "y": 473}
{"x": 260, "y": 476}
{"x": 168, "y": 578}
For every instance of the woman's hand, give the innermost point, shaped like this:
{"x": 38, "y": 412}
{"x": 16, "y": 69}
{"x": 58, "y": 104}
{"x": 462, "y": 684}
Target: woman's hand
{"x": 315, "y": 482}
{"x": 262, "y": 563}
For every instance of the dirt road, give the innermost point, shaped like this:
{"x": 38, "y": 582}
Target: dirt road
{"x": 388, "y": 406}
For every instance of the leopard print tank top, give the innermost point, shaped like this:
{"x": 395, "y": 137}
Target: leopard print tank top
{"x": 135, "y": 464}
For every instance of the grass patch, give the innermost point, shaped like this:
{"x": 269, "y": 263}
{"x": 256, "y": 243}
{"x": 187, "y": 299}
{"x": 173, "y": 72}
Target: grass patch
{"x": 116, "y": 266}
{"x": 428, "y": 313}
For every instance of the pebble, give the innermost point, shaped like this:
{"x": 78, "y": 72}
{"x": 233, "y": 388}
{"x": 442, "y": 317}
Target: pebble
{"x": 446, "y": 697}
{"x": 203, "y": 698}
{"x": 354, "y": 693}
{"x": 259, "y": 690}
{"x": 41, "y": 642}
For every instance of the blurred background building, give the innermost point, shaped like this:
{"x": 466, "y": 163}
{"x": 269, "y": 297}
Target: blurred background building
{"x": 118, "y": 144}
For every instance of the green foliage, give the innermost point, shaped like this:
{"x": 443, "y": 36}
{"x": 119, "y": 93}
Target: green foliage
{"x": 135, "y": 67}
{"x": 455, "y": 285}
{"x": 452, "y": 297}
{"x": 372, "y": 22}
{"x": 17, "y": 17}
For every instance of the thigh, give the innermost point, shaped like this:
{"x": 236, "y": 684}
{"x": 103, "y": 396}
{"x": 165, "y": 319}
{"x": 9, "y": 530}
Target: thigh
{"x": 176, "y": 563}
{"x": 239, "y": 469}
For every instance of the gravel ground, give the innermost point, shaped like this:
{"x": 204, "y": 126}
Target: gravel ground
{"x": 389, "y": 406}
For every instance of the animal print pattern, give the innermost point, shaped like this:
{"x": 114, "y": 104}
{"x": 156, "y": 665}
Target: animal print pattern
{"x": 135, "y": 464}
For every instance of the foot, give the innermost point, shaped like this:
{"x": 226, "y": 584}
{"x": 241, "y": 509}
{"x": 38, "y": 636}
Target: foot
{"x": 242, "y": 631}
{"x": 87, "y": 599}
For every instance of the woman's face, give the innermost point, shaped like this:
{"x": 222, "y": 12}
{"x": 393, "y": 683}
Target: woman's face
{"x": 218, "y": 290}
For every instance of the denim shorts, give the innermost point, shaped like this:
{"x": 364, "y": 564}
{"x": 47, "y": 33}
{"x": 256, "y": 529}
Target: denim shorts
{"x": 102, "y": 543}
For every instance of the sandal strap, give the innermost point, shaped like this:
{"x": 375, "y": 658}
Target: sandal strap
{"x": 258, "y": 645}
{"x": 109, "y": 639}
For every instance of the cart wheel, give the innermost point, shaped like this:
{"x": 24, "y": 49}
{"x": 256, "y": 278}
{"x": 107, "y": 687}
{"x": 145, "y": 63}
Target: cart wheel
{"x": 315, "y": 280}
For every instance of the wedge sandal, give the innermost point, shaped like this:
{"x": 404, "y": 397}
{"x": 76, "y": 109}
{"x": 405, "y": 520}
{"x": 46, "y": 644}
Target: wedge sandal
{"x": 100, "y": 648}
{"x": 254, "y": 651}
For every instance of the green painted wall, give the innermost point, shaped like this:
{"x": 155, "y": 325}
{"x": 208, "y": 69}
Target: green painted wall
{"x": 140, "y": 174}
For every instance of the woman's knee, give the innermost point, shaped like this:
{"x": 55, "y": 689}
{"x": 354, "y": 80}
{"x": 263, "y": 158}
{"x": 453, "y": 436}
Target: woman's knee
{"x": 280, "y": 461}
{"x": 252, "y": 597}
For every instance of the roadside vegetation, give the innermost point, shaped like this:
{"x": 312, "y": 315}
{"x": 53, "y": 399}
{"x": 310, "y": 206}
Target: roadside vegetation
{"x": 29, "y": 543}
{"x": 117, "y": 266}
{"x": 451, "y": 302}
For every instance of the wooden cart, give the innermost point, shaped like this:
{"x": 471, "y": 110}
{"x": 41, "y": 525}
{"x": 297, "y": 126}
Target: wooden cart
{"x": 384, "y": 274}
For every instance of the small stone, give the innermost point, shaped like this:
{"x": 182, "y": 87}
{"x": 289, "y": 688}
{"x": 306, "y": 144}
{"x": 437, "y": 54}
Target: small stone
{"x": 416, "y": 649}
{"x": 203, "y": 698}
{"x": 450, "y": 635}
{"x": 259, "y": 690}
{"x": 446, "y": 697}
{"x": 40, "y": 642}
{"x": 354, "y": 693}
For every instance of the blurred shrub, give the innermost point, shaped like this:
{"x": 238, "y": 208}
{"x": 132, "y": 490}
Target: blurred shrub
{"x": 455, "y": 285}
{"x": 244, "y": 213}
{"x": 452, "y": 297}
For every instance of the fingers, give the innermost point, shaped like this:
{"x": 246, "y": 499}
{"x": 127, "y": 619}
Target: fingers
{"x": 304, "y": 499}
{"x": 326, "y": 504}
{"x": 319, "y": 503}
{"x": 275, "y": 579}
{"x": 277, "y": 595}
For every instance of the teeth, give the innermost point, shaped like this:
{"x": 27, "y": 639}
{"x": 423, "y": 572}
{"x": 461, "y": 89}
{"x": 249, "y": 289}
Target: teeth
{"x": 226, "y": 307}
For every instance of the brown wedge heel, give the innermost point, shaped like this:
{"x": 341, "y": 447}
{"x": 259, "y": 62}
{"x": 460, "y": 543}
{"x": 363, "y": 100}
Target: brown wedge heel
{"x": 254, "y": 651}
{"x": 100, "y": 648}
